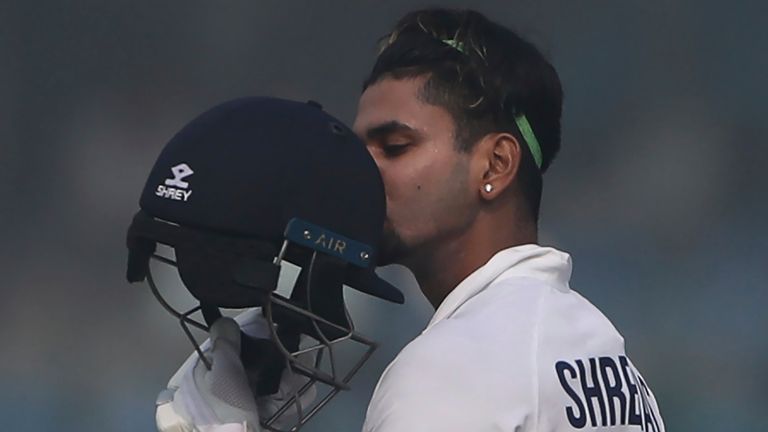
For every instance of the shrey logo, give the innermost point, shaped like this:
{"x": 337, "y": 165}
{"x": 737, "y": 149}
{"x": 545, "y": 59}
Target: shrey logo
{"x": 178, "y": 187}
{"x": 180, "y": 172}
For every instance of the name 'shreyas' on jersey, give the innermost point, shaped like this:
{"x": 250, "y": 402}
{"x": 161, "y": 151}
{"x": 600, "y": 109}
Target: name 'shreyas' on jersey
{"x": 175, "y": 187}
{"x": 611, "y": 384}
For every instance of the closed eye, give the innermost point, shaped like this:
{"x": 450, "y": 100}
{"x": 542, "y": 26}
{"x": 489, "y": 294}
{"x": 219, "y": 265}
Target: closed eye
{"x": 395, "y": 149}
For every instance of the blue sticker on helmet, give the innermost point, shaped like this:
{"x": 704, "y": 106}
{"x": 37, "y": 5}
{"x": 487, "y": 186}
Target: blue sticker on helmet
{"x": 322, "y": 240}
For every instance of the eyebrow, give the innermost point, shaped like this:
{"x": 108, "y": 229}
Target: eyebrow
{"x": 386, "y": 128}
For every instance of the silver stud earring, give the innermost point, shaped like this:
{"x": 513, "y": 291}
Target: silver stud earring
{"x": 488, "y": 187}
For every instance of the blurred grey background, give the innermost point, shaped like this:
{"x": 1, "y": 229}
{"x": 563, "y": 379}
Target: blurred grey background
{"x": 659, "y": 192}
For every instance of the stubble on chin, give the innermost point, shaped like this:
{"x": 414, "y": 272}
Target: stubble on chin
{"x": 392, "y": 248}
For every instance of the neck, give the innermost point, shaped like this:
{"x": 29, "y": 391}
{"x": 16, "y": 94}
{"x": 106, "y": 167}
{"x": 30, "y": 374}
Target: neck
{"x": 441, "y": 266}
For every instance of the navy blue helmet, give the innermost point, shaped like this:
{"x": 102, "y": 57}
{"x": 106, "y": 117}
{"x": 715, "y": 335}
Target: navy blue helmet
{"x": 246, "y": 186}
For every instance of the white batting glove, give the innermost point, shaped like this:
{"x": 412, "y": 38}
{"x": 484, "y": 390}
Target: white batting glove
{"x": 222, "y": 401}
{"x": 215, "y": 400}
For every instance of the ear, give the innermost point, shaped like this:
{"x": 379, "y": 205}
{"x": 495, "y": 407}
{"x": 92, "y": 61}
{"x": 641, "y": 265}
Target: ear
{"x": 497, "y": 159}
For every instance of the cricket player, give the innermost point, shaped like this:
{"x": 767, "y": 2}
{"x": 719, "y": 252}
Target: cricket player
{"x": 462, "y": 117}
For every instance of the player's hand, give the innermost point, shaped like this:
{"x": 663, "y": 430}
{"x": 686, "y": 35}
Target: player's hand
{"x": 215, "y": 400}
{"x": 179, "y": 409}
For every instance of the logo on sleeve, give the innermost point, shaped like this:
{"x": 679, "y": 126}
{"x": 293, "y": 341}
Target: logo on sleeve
{"x": 175, "y": 187}
{"x": 607, "y": 391}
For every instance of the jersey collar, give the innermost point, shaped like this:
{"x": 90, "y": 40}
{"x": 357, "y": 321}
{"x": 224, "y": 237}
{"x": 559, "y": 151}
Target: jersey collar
{"x": 530, "y": 261}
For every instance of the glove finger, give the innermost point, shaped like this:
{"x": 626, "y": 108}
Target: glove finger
{"x": 253, "y": 323}
{"x": 227, "y": 381}
{"x": 168, "y": 420}
{"x": 225, "y": 330}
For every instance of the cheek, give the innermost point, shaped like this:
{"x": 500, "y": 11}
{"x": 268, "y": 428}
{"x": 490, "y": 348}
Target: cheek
{"x": 430, "y": 192}
{"x": 404, "y": 181}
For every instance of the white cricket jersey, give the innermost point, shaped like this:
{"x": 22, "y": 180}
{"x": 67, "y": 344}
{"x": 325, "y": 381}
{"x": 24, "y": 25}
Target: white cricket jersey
{"x": 513, "y": 348}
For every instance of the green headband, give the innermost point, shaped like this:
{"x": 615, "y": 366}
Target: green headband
{"x": 530, "y": 138}
{"x": 522, "y": 122}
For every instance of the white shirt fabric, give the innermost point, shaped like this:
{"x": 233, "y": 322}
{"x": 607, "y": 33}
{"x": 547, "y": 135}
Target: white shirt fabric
{"x": 513, "y": 348}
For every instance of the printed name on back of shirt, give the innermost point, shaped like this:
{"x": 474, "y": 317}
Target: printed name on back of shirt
{"x": 606, "y": 391}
